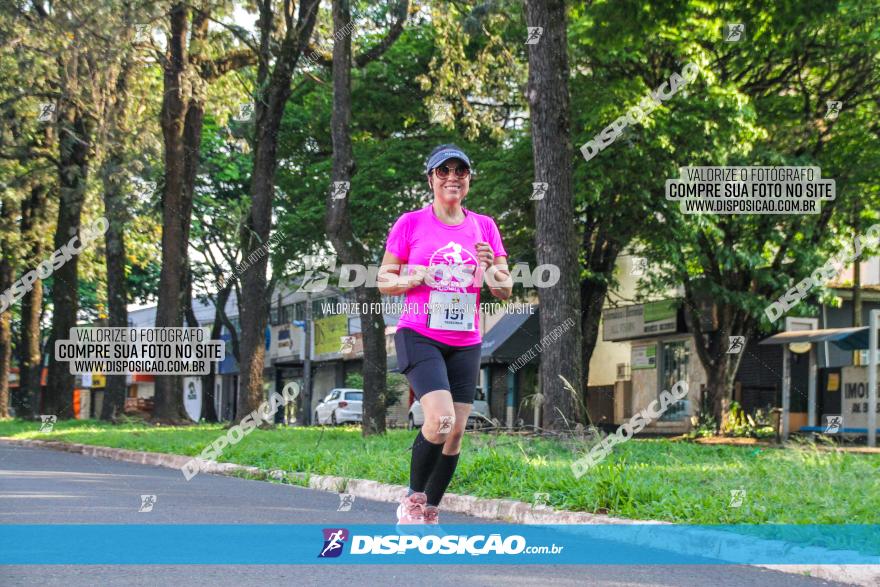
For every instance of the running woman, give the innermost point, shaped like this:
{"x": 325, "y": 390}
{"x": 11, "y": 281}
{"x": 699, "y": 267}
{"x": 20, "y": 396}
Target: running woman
{"x": 439, "y": 256}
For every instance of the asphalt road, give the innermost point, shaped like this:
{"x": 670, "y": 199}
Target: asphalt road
{"x": 40, "y": 486}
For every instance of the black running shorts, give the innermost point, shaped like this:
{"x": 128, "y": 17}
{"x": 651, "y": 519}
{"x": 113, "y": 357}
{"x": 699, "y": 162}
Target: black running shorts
{"x": 430, "y": 365}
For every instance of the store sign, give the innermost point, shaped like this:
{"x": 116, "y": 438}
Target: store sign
{"x": 192, "y": 397}
{"x": 854, "y": 399}
{"x": 644, "y": 357}
{"x": 640, "y": 320}
{"x": 328, "y": 331}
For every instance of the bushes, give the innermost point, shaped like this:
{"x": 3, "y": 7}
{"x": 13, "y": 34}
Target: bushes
{"x": 744, "y": 425}
{"x": 739, "y": 424}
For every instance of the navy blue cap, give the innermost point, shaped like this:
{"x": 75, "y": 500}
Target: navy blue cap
{"x": 442, "y": 155}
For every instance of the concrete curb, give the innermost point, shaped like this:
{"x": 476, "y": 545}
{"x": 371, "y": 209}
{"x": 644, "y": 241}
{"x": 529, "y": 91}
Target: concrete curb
{"x": 508, "y": 510}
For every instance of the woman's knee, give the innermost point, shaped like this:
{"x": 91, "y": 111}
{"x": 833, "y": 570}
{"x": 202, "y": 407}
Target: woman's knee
{"x": 438, "y": 426}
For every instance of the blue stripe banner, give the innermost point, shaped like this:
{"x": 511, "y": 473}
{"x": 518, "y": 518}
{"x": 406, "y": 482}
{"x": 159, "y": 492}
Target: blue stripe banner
{"x": 637, "y": 544}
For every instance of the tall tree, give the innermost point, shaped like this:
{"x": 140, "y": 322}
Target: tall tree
{"x": 338, "y": 221}
{"x": 732, "y": 266}
{"x": 8, "y": 211}
{"x": 555, "y": 236}
{"x": 28, "y": 167}
{"x": 182, "y": 111}
{"x": 276, "y": 61}
{"x": 33, "y": 227}
{"x": 187, "y": 71}
{"x": 80, "y": 80}
{"x": 114, "y": 135}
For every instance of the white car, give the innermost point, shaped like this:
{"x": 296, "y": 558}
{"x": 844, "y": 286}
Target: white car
{"x": 478, "y": 418}
{"x": 341, "y": 406}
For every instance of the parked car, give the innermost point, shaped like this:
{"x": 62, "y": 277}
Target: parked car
{"x": 341, "y": 406}
{"x": 478, "y": 418}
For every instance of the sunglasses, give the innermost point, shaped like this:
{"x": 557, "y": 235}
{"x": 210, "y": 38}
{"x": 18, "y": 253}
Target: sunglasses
{"x": 442, "y": 171}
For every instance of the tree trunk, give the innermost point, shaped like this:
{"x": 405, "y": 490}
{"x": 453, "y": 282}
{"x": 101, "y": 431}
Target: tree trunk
{"x": 7, "y": 273}
{"x": 712, "y": 325}
{"x": 182, "y": 115}
{"x": 306, "y": 401}
{"x": 555, "y": 238}
{"x": 33, "y": 218}
{"x": 209, "y": 410}
{"x": 341, "y": 233}
{"x": 601, "y": 259}
{"x": 75, "y": 135}
{"x": 857, "y": 293}
{"x": 274, "y": 84}
{"x": 114, "y": 239}
{"x": 117, "y": 296}
{"x": 5, "y": 341}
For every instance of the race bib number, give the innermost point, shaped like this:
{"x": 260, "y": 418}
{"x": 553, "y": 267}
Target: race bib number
{"x": 452, "y": 311}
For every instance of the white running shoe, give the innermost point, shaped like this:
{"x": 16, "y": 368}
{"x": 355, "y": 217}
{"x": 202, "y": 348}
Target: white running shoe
{"x": 411, "y": 509}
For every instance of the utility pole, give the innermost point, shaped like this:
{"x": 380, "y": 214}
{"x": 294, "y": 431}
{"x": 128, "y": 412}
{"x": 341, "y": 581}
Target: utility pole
{"x": 307, "y": 364}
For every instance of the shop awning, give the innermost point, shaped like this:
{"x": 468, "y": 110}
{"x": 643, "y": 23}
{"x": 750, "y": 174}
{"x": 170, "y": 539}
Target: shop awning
{"x": 848, "y": 339}
{"x": 511, "y": 336}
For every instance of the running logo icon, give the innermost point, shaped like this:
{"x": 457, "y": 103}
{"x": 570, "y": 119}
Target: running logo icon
{"x": 245, "y": 112}
{"x": 539, "y": 190}
{"x": 833, "y": 424}
{"x": 445, "y": 424}
{"x": 535, "y": 33}
{"x": 147, "y": 503}
{"x": 346, "y": 344}
{"x": 734, "y": 32}
{"x": 47, "y": 422}
{"x": 340, "y": 188}
{"x": 735, "y": 344}
{"x": 346, "y": 500}
{"x": 834, "y": 107}
{"x": 639, "y": 266}
{"x": 737, "y": 496}
{"x": 47, "y": 112}
{"x": 334, "y": 540}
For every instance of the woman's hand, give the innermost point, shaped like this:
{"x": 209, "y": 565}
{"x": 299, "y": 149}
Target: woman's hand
{"x": 500, "y": 283}
{"x": 416, "y": 275}
{"x": 485, "y": 256}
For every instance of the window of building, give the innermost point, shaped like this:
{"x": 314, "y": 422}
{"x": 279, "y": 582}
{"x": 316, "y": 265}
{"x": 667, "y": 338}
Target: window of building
{"x": 674, "y": 358}
{"x": 318, "y": 307}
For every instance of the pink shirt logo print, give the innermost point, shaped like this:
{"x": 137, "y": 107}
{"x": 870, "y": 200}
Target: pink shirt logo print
{"x": 447, "y": 268}
{"x": 449, "y": 253}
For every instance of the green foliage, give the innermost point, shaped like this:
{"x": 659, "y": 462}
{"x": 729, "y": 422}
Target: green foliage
{"x": 354, "y": 380}
{"x": 220, "y": 204}
{"x": 395, "y": 383}
{"x": 705, "y": 427}
{"x": 745, "y": 425}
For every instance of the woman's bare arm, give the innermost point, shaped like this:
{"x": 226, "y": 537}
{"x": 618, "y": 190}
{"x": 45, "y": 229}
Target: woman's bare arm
{"x": 389, "y": 279}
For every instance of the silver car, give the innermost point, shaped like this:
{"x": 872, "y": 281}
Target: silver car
{"x": 478, "y": 418}
{"x": 340, "y": 406}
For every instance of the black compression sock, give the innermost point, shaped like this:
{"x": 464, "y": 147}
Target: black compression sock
{"x": 440, "y": 478}
{"x": 424, "y": 459}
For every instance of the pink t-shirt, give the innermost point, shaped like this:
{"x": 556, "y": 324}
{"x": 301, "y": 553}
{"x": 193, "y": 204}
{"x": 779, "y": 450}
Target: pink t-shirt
{"x": 420, "y": 238}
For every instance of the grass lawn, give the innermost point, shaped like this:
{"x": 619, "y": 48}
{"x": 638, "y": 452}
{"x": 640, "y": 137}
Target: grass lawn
{"x": 652, "y": 479}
